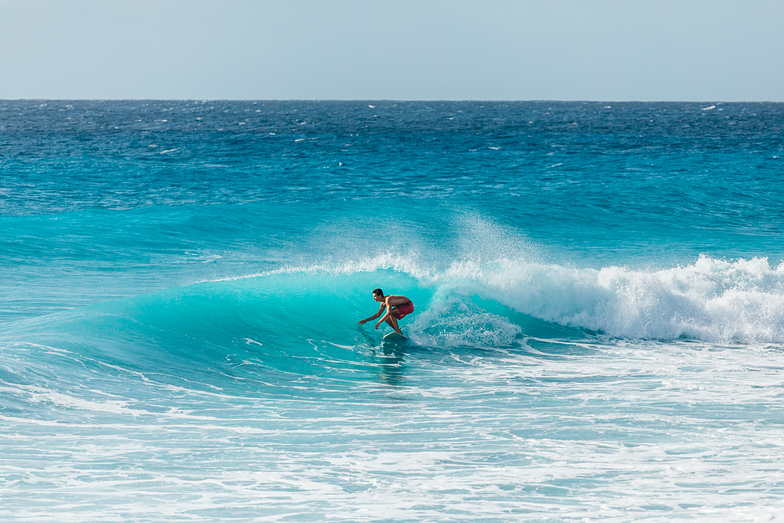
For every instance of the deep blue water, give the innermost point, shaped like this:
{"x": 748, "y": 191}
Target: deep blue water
{"x": 598, "y": 333}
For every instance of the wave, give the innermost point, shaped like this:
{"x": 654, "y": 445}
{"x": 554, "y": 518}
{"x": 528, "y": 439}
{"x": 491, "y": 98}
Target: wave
{"x": 471, "y": 303}
{"x": 713, "y": 300}
{"x": 275, "y": 333}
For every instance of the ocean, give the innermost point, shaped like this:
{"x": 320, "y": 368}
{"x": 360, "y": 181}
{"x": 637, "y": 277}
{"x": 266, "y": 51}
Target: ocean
{"x": 598, "y": 331}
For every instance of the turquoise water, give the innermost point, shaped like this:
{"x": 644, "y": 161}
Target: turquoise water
{"x": 598, "y": 333}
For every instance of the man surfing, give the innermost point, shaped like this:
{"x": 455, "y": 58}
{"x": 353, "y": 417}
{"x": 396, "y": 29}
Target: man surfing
{"x": 397, "y": 307}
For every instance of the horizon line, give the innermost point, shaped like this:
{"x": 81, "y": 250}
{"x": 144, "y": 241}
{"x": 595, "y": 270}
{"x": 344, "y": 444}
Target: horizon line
{"x": 423, "y": 100}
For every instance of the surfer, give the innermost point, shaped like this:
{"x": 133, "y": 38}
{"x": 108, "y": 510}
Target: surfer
{"x": 397, "y": 307}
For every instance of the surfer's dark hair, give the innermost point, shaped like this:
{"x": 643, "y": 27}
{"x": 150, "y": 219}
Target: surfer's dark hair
{"x": 378, "y": 291}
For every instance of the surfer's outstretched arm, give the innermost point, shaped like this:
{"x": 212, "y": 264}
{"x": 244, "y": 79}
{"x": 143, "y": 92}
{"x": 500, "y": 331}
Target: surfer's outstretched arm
{"x": 385, "y": 318}
{"x": 376, "y": 315}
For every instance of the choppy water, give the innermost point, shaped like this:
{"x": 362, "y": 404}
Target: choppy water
{"x": 598, "y": 334}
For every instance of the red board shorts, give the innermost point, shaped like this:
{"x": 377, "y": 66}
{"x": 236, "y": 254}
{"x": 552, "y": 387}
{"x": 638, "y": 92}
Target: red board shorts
{"x": 405, "y": 309}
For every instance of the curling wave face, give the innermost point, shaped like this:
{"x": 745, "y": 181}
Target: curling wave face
{"x": 712, "y": 300}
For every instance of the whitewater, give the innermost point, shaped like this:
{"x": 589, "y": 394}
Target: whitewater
{"x": 598, "y": 333}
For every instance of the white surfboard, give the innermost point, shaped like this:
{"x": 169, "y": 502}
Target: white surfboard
{"x": 394, "y": 336}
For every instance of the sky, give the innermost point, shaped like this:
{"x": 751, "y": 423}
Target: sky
{"x": 606, "y": 50}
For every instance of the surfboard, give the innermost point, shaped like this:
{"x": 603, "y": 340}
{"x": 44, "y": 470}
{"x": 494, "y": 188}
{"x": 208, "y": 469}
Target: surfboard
{"x": 394, "y": 336}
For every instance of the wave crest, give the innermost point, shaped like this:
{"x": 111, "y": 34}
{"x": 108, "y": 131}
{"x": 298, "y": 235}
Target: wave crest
{"x": 713, "y": 300}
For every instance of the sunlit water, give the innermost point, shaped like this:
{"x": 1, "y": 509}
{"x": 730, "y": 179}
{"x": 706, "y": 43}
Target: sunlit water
{"x": 598, "y": 334}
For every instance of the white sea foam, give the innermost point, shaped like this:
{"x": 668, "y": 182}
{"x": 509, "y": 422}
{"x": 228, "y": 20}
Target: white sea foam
{"x": 456, "y": 323}
{"x": 632, "y": 431}
{"x": 714, "y": 300}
